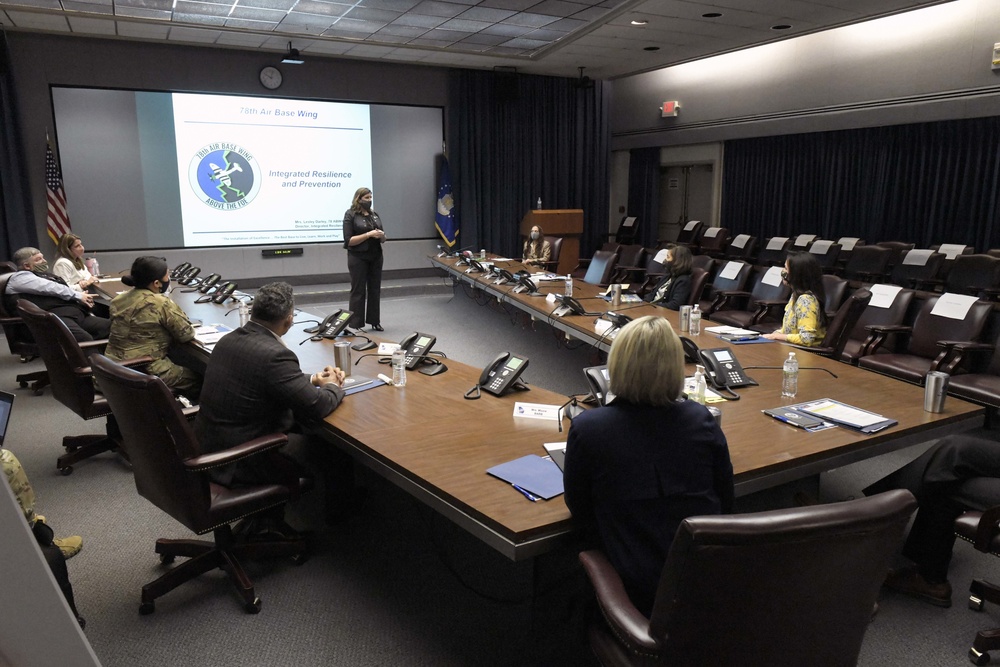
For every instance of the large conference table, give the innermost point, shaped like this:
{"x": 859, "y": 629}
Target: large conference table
{"x": 429, "y": 441}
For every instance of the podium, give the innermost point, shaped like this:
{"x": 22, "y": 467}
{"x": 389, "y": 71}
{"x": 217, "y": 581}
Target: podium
{"x": 565, "y": 223}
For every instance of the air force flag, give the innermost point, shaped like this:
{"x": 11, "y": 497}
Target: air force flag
{"x": 444, "y": 219}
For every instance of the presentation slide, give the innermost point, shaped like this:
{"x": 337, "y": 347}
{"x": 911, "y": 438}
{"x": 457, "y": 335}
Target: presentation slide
{"x": 264, "y": 171}
{"x": 150, "y": 170}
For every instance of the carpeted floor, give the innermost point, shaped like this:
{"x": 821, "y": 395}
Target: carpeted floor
{"x": 396, "y": 584}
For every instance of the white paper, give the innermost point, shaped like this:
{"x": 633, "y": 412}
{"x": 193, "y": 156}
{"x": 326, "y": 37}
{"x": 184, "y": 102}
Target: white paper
{"x": 772, "y": 277}
{"x": 387, "y": 348}
{"x": 917, "y": 257}
{"x": 740, "y": 241}
{"x": 661, "y": 256}
{"x": 843, "y": 413}
{"x": 731, "y": 270}
{"x": 776, "y": 243}
{"x": 601, "y": 326}
{"x": 536, "y": 411}
{"x": 712, "y": 232}
{"x": 820, "y": 247}
{"x": 554, "y": 446}
{"x": 883, "y": 296}
{"x": 629, "y": 221}
{"x": 848, "y": 242}
{"x": 953, "y": 306}
{"x": 951, "y": 250}
{"x": 735, "y": 331}
{"x": 804, "y": 239}
{"x": 209, "y": 334}
{"x": 691, "y": 225}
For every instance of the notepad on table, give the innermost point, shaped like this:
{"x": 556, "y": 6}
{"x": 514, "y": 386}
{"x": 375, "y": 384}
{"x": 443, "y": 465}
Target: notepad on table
{"x": 541, "y": 477}
{"x": 209, "y": 334}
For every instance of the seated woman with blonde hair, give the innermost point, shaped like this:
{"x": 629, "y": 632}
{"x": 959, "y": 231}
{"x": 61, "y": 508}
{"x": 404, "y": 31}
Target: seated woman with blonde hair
{"x": 639, "y": 466}
{"x": 69, "y": 263}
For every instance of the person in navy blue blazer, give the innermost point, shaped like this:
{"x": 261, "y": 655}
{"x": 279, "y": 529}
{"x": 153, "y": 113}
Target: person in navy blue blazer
{"x": 639, "y": 466}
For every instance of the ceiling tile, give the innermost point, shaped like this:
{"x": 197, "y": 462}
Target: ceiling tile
{"x": 383, "y": 36}
{"x": 486, "y": 14}
{"x": 89, "y": 26}
{"x": 87, "y": 7}
{"x": 200, "y": 8}
{"x": 242, "y": 38}
{"x": 321, "y": 8}
{"x": 557, "y": 8}
{"x": 463, "y": 25}
{"x": 257, "y": 14}
{"x": 142, "y": 30}
{"x": 507, "y": 30}
{"x": 524, "y": 43}
{"x": 436, "y": 8}
{"x": 381, "y": 16}
{"x": 532, "y": 20}
{"x": 421, "y": 41}
{"x": 391, "y": 5}
{"x": 43, "y": 4}
{"x": 142, "y": 13}
{"x": 489, "y": 40}
{"x": 566, "y": 25}
{"x": 513, "y": 5}
{"x": 393, "y": 30}
{"x": 283, "y": 5}
{"x": 419, "y": 20}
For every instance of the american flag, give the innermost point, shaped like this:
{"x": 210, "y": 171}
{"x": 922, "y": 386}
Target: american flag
{"x": 58, "y": 216}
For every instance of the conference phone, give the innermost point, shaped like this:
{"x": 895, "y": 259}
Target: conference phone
{"x": 724, "y": 370}
{"x": 417, "y": 345}
{"x": 208, "y": 282}
{"x": 189, "y": 275}
{"x": 525, "y": 283}
{"x": 224, "y": 292}
{"x": 332, "y": 325}
{"x": 600, "y": 384}
{"x": 179, "y": 270}
{"x": 569, "y": 306}
{"x": 503, "y": 373}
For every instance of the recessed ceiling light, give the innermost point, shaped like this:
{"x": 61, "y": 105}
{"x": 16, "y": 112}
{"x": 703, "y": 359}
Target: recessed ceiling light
{"x": 780, "y": 26}
{"x": 711, "y": 15}
{"x": 640, "y": 22}
{"x": 651, "y": 48}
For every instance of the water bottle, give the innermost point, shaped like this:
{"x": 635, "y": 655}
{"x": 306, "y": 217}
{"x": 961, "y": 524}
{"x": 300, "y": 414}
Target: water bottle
{"x": 399, "y": 368}
{"x": 539, "y": 206}
{"x": 790, "y": 376}
{"x": 96, "y": 271}
{"x": 244, "y": 313}
{"x": 569, "y": 285}
{"x": 694, "y": 326}
{"x": 699, "y": 385}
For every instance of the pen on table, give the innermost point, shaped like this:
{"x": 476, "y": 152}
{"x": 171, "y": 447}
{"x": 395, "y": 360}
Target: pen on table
{"x": 527, "y": 494}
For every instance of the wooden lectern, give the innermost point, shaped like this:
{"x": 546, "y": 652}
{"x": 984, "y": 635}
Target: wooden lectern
{"x": 566, "y": 223}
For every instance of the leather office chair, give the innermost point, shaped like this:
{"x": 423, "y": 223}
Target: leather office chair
{"x": 18, "y": 337}
{"x": 826, "y": 253}
{"x": 705, "y": 263}
{"x": 918, "y": 269}
{"x": 976, "y": 375}
{"x": 630, "y": 265}
{"x": 925, "y": 348}
{"x": 625, "y": 234}
{"x": 721, "y": 284}
{"x": 172, "y": 473}
{"x": 784, "y": 587}
{"x": 978, "y": 275}
{"x": 584, "y": 263}
{"x": 699, "y": 280}
{"x": 72, "y": 382}
{"x": 763, "y": 303}
{"x": 555, "y": 248}
{"x": 743, "y": 247}
{"x": 713, "y": 241}
{"x": 893, "y": 315}
{"x": 840, "y": 326}
{"x": 803, "y": 241}
{"x": 952, "y": 251}
{"x": 690, "y": 233}
{"x": 981, "y": 530}
{"x": 835, "y": 289}
{"x": 898, "y": 249}
{"x": 774, "y": 251}
{"x": 601, "y": 268}
{"x": 652, "y": 273}
{"x": 868, "y": 264}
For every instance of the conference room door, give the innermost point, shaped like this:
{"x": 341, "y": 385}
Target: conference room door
{"x": 685, "y": 194}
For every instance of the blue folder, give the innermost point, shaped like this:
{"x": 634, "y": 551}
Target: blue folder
{"x": 541, "y": 477}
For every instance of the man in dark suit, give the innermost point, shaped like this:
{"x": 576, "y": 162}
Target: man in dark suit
{"x": 33, "y": 282}
{"x": 254, "y": 386}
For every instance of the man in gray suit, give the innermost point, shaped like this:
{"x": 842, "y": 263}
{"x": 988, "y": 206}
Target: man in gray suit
{"x": 254, "y": 386}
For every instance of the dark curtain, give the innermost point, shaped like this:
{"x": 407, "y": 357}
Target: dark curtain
{"x": 514, "y": 138}
{"x": 644, "y": 193}
{"x": 17, "y": 220}
{"x": 924, "y": 183}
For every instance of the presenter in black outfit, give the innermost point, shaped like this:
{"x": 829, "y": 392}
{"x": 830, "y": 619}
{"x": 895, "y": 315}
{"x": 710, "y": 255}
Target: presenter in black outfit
{"x": 363, "y": 238}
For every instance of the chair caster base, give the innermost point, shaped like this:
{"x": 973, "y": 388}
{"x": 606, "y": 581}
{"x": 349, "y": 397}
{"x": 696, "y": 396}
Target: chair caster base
{"x": 975, "y": 603}
{"x": 147, "y": 608}
{"x": 65, "y": 472}
{"x": 254, "y": 608}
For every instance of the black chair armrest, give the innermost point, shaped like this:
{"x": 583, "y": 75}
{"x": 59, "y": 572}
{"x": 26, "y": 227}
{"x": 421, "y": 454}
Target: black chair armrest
{"x": 138, "y": 363}
{"x": 191, "y": 413}
{"x": 724, "y": 299}
{"x": 91, "y": 346}
{"x": 987, "y": 529}
{"x": 627, "y": 623}
{"x": 878, "y": 334}
{"x": 953, "y": 353}
{"x": 764, "y": 308}
{"x": 234, "y": 454}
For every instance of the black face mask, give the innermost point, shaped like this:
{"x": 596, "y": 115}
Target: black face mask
{"x": 366, "y": 205}
{"x": 164, "y": 287}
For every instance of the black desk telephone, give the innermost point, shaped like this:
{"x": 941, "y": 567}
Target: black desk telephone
{"x": 179, "y": 270}
{"x": 526, "y": 283}
{"x": 332, "y": 325}
{"x": 189, "y": 275}
{"x": 600, "y": 384}
{"x": 502, "y": 373}
{"x": 723, "y": 368}
{"x": 417, "y": 345}
{"x": 208, "y": 282}
{"x": 569, "y": 305}
{"x": 224, "y": 292}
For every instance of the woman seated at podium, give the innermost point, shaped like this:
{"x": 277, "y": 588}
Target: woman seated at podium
{"x": 537, "y": 250}
{"x": 648, "y": 460}
{"x": 804, "y": 322}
